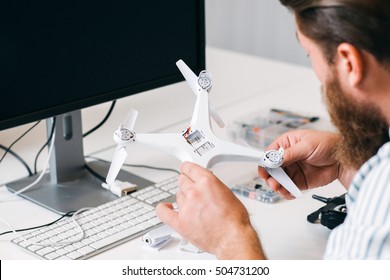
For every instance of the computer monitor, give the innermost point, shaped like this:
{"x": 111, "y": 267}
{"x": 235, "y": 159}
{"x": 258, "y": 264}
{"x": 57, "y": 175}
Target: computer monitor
{"x": 58, "y": 57}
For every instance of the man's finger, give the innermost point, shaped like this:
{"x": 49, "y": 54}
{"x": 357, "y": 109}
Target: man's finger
{"x": 179, "y": 199}
{"x": 262, "y": 173}
{"x": 184, "y": 183}
{"x": 166, "y": 213}
{"x": 193, "y": 170}
{"x": 295, "y": 153}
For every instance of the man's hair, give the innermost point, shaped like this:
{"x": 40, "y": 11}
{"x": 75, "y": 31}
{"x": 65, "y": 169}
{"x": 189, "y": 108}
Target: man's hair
{"x": 362, "y": 23}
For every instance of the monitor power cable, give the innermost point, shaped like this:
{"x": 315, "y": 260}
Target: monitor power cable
{"x": 69, "y": 214}
{"x": 9, "y": 148}
{"x": 39, "y": 177}
{"x": 102, "y": 121}
{"x": 19, "y": 158}
{"x": 106, "y": 117}
{"x": 46, "y": 143}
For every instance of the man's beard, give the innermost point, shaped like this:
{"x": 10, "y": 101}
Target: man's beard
{"x": 362, "y": 127}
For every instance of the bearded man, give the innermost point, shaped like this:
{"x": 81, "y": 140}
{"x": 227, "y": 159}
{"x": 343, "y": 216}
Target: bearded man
{"x": 348, "y": 42}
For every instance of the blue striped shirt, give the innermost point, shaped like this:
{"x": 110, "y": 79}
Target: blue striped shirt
{"x": 365, "y": 233}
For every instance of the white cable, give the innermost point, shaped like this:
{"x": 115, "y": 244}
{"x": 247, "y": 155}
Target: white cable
{"x": 81, "y": 233}
{"x": 40, "y": 176}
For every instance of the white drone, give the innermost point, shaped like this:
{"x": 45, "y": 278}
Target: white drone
{"x": 197, "y": 143}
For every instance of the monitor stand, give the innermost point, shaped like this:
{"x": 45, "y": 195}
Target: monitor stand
{"x": 69, "y": 186}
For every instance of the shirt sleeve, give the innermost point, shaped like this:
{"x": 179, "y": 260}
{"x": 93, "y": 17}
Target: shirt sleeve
{"x": 365, "y": 233}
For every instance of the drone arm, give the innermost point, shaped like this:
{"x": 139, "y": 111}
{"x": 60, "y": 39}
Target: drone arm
{"x": 235, "y": 153}
{"x": 201, "y": 114}
{"x": 171, "y": 144}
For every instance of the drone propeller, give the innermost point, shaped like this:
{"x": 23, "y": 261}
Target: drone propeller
{"x": 190, "y": 76}
{"x": 272, "y": 161}
{"x": 197, "y": 84}
{"x": 122, "y": 136}
{"x": 130, "y": 120}
{"x": 281, "y": 176}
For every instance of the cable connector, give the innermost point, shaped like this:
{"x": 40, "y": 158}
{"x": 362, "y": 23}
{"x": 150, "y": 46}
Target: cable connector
{"x": 120, "y": 188}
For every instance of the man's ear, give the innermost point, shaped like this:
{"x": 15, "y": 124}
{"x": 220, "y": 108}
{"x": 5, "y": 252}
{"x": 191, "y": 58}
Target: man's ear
{"x": 350, "y": 64}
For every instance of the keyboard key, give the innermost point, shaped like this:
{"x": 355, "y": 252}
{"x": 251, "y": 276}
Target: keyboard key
{"x": 115, "y": 237}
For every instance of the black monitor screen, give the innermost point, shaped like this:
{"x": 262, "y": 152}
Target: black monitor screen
{"x": 58, "y": 56}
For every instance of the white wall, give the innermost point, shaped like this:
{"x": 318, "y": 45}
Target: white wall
{"x": 259, "y": 27}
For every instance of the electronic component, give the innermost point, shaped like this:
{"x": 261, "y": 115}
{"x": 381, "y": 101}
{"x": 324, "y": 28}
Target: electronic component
{"x": 260, "y": 130}
{"x": 195, "y": 137}
{"x": 205, "y": 80}
{"x": 332, "y": 214}
{"x": 159, "y": 237}
{"x": 273, "y": 158}
{"x": 120, "y": 188}
{"x": 255, "y": 188}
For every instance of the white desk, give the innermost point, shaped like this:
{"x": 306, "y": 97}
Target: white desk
{"x": 242, "y": 85}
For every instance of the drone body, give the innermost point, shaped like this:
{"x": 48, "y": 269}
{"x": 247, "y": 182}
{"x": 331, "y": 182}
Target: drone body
{"x": 198, "y": 143}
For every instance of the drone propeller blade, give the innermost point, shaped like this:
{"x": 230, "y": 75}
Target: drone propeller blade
{"x": 116, "y": 164}
{"x": 192, "y": 80}
{"x": 130, "y": 120}
{"x": 281, "y": 176}
{"x": 190, "y": 76}
{"x": 217, "y": 118}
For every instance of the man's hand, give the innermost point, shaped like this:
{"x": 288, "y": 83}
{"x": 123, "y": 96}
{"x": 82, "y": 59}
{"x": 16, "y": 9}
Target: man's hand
{"x": 210, "y": 216}
{"x": 309, "y": 160}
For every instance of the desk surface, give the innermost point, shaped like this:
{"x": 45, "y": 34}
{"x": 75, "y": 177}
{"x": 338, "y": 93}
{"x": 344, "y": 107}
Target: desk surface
{"x": 242, "y": 85}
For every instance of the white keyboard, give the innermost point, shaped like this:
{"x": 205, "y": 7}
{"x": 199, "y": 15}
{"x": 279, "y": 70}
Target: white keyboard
{"x": 102, "y": 227}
